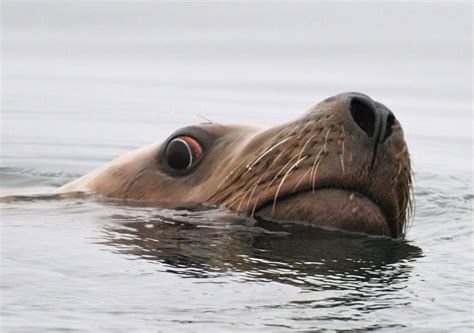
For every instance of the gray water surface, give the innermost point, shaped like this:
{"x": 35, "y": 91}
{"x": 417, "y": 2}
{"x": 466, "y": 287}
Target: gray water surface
{"x": 84, "y": 82}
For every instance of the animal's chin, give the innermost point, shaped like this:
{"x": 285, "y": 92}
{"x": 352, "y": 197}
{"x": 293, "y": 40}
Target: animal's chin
{"x": 330, "y": 208}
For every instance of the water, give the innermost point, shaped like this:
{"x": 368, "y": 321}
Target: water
{"x": 83, "y": 82}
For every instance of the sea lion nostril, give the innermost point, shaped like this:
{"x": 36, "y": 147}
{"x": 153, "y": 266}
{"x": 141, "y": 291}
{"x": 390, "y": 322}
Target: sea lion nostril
{"x": 364, "y": 114}
{"x": 372, "y": 117}
{"x": 388, "y": 126}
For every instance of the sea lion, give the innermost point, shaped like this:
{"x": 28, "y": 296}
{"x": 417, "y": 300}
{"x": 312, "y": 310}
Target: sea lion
{"x": 344, "y": 164}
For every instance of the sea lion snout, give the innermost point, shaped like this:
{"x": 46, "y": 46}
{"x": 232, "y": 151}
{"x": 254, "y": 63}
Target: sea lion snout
{"x": 344, "y": 164}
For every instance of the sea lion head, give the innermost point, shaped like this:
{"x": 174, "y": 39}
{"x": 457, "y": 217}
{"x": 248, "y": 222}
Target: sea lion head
{"x": 344, "y": 164}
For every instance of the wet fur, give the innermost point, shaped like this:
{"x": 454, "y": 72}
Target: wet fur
{"x": 248, "y": 170}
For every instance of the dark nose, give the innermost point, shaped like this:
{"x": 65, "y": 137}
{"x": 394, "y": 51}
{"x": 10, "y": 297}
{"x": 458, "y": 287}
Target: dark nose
{"x": 373, "y": 118}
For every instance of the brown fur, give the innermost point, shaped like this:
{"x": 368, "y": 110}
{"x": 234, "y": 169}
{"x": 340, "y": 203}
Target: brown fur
{"x": 320, "y": 168}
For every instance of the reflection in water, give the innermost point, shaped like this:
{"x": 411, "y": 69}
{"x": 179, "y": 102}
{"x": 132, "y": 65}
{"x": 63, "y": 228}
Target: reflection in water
{"x": 209, "y": 243}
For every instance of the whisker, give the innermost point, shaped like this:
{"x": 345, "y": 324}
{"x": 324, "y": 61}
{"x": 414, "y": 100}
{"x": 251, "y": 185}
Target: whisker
{"x": 229, "y": 203}
{"x": 412, "y": 205}
{"x": 342, "y": 163}
{"x": 271, "y": 182}
{"x": 267, "y": 152}
{"x": 283, "y": 180}
{"x": 402, "y": 151}
{"x": 232, "y": 201}
{"x": 343, "y": 132}
{"x": 293, "y": 130}
{"x": 317, "y": 160}
{"x": 304, "y": 146}
{"x": 253, "y": 164}
{"x": 395, "y": 179}
{"x": 260, "y": 179}
{"x": 327, "y": 136}
{"x": 315, "y": 167}
{"x": 206, "y": 119}
{"x": 343, "y": 149}
{"x": 306, "y": 126}
{"x": 242, "y": 200}
{"x": 228, "y": 175}
{"x": 251, "y": 194}
{"x": 298, "y": 184}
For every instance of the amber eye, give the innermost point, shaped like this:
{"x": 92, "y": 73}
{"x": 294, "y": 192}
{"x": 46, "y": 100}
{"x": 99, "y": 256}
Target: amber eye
{"x": 182, "y": 152}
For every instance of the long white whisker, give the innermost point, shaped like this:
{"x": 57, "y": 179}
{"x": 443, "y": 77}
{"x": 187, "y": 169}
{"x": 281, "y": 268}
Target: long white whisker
{"x": 304, "y": 146}
{"x": 317, "y": 160}
{"x": 299, "y": 182}
{"x": 249, "y": 167}
{"x": 283, "y": 180}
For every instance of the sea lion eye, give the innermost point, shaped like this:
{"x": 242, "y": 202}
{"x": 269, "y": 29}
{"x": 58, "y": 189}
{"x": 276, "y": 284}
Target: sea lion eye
{"x": 181, "y": 152}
